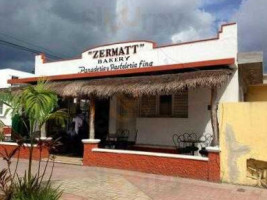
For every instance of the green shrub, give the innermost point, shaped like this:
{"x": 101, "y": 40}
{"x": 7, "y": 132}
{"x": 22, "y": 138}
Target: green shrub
{"x": 35, "y": 105}
{"x": 35, "y": 190}
{"x": 2, "y": 136}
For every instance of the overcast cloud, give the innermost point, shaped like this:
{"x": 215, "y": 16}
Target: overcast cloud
{"x": 68, "y": 27}
{"x": 252, "y": 26}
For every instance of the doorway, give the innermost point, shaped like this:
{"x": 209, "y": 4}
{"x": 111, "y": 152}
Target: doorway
{"x": 76, "y": 128}
{"x": 102, "y": 119}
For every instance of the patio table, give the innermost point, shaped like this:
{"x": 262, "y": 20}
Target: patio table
{"x": 193, "y": 144}
{"x": 113, "y": 139}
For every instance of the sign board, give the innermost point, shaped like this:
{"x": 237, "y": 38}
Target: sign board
{"x": 143, "y": 54}
{"x": 116, "y": 57}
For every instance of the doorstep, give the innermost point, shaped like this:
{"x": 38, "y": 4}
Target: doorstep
{"x": 68, "y": 160}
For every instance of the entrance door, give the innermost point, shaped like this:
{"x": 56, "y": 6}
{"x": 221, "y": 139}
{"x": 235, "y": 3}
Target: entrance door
{"x": 101, "y": 118}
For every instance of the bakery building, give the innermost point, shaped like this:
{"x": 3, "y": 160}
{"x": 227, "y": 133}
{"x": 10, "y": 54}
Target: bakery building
{"x": 146, "y": 107}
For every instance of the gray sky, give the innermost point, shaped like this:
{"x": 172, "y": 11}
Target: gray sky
{"x": 68, "y": 27}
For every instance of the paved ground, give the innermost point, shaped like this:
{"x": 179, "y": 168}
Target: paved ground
{"x": 84, "y": 183}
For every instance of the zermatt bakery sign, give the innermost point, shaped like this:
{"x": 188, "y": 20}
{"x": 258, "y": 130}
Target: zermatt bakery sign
{"x": 116, "y": 58}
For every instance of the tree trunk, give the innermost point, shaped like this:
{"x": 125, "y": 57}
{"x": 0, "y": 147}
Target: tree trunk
{"x": 92, "y": 118}
{"x": 214, "y": 117}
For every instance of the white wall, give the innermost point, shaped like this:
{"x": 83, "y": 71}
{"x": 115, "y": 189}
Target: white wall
{"x": 159, "y": 131}
{"x": 5, "y": 75}
{"x": 224, "y": 47}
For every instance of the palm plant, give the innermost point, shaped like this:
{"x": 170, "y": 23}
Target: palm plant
{"x": 35, "y": 105}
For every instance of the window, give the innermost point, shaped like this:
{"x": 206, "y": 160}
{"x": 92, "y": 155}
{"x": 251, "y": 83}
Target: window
{"x": 175, "y": 105}
{"x": 148, "y": 106}
{"x": 165, "y": 105}
{"x": 180, "y": 105}
{"x": 1, "y": 108}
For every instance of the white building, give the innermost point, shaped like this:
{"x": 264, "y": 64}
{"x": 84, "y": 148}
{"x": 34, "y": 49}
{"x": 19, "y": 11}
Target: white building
{"x": 189, "y": 112}
{"x": 5, "y": 75}
{"x": 147, "y": 93}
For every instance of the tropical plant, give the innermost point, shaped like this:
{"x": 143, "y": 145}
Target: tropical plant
{"x": 34, "y": 105}
{"x": 2, "y": 136}
{"x": 32, "y": 189}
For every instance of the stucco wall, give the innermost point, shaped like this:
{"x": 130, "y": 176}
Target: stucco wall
{"x": 223, "y": 47}
{"x": 159, "y": 131}
{"x": 6, "y": 74}
{"x": 243, "y": 135}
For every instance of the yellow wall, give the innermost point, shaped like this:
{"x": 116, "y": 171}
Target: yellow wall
{"x": 257, "y": 93}
{"x": 243, "y": 135}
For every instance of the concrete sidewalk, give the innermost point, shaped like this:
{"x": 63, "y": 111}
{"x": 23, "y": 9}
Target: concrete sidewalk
{"x": 83, "y": 183}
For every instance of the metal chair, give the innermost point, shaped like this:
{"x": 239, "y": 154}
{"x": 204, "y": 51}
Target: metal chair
{"x": 180, "y": 146}
{"x": 132, "y": 142}
{"x": 207, "y": 139}
{"x": 192, "y": 147}
{"x": 122, "y": 139}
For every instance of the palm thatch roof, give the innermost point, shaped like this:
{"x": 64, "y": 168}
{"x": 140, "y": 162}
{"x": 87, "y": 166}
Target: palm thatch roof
{"x": 142, "y": 85}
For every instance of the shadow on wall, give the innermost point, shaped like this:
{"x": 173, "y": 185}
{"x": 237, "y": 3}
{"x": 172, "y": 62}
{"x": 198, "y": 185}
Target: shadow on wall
{"x": 234, "y": 151}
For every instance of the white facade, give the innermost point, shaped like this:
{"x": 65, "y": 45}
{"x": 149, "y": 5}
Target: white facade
{"x": 142, "y": 54}
{"x": 5, "y": 75}
{"x": 225, "y": 46}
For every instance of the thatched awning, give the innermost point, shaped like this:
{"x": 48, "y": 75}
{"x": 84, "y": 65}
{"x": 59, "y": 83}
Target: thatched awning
{"x": 142, "y": 85}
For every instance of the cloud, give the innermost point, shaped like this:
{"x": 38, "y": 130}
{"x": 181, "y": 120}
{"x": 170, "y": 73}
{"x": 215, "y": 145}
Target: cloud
{"x": 252, "y": 30}
{"x": 160, "y": 21}
{"x": 222, "y": 10}
{"x": 67, "y": 28}
{"x": 186, "y": 35}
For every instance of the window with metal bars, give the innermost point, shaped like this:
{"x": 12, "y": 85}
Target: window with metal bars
{"x": 175, "y": 105}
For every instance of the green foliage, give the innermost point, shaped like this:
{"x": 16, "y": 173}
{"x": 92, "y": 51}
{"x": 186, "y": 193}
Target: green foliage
{"x": 5, "y": 185}
{"x": 36, "y": 105}
{"x": 2, "y": 136}
{"x": 33, "y": 189}
{"x": 2, "y": 124}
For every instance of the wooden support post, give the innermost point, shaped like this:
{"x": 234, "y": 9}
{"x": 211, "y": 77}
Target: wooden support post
{"x": 92, "y": 118}
{"x": 214, "y": 117}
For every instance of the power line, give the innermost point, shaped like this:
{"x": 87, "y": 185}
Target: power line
{"x": 17, "y": 46}
{"x": 28, "y": 43}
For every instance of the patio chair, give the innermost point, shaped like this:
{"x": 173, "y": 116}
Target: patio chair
{"x": 181, "y": 147}
{"x": 193, "y": 137}
{"x": 132, "y": 142}
{"x": 122, "y": 139}
{"x": 207, "y": 139}
{"x": 109, "y": 143}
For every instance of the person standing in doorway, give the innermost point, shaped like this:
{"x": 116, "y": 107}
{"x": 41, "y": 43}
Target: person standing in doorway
{"x": 78, "y": 123}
